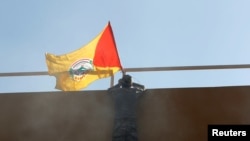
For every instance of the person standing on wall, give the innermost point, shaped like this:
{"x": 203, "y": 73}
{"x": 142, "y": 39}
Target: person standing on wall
{"x": 125, "y": 96}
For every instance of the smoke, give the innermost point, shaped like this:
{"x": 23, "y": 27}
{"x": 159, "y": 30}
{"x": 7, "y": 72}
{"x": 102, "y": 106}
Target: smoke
{"x": 183, "y": 114}
{"x": 163, "y": 114}
{"x": 56, "y": 116}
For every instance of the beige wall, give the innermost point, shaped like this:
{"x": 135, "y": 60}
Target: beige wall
{"x": 164, "y": 114}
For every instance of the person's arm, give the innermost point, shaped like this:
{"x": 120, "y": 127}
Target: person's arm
{"x": 139, "y": 89}
{"x": 138, "y": 86}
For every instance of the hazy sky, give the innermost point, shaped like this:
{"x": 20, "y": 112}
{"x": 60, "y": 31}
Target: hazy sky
{"x": 148, "y": 33}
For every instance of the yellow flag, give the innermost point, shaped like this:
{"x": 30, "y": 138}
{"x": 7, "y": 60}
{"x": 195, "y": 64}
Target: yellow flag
{"x": 76, "y": 70}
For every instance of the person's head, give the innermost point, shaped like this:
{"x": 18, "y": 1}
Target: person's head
{"x": 126, "y": 81}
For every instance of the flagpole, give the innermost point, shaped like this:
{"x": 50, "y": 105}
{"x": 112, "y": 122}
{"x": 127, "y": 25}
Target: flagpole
{"x": 111, "y": 78}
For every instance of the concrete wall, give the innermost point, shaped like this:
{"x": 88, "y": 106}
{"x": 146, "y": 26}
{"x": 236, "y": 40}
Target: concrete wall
{"x": 164, "y": 114}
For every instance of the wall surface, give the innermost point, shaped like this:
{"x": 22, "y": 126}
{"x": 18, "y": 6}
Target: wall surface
{"x": 164, "y": 114}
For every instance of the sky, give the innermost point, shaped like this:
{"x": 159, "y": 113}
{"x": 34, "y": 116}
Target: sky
{"x": 159, "y": 33}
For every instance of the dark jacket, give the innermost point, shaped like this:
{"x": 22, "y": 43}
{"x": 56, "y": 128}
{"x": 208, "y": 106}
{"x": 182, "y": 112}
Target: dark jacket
{"x": 125, "y": 101}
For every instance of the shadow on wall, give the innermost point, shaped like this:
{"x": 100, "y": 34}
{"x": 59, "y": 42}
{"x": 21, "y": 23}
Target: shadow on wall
{"x": 164, "y": 114}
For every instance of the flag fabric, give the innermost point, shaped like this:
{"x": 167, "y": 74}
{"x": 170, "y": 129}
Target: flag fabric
{"x": 76, "y": 70}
